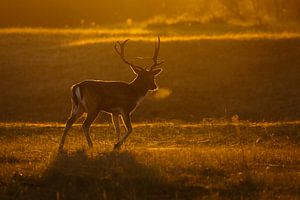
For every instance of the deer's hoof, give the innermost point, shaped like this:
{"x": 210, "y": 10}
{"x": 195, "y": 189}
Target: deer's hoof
{"x": 61, "y": 151}
{"x": 117, "y": 146}
{"x": 61, "y": 148}
{"x": 90, "y": 145}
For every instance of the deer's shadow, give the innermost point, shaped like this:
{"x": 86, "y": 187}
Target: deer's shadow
{"x": 110, "y": 175}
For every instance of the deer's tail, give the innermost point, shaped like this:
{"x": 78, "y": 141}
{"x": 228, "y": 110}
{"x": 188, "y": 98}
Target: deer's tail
{"x": 76, "y": 96}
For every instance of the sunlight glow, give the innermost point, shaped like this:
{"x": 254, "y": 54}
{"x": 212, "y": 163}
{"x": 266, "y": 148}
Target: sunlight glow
{"x": 242, "y": 36}
{"x": 161, "y": 93}
{"x": 216, "y": 123}
{"x": 77, "y": 31}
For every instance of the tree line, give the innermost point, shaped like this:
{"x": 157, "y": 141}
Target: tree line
{"x": 58, "y": 13}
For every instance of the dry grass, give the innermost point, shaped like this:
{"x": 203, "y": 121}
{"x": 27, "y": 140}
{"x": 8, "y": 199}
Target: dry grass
{"x": 157, "y": 162}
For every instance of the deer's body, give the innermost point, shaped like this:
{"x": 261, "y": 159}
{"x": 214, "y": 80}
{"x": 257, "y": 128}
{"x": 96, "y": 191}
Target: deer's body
{"x": 114, "y": 97}
{"x": 102, "y": 95}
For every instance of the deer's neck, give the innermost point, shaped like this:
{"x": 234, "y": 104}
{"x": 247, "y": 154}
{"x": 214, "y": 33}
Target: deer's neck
{"x": 140, "y": 87}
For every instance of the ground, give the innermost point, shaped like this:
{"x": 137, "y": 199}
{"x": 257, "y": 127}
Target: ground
{"x": 210, "y": 160}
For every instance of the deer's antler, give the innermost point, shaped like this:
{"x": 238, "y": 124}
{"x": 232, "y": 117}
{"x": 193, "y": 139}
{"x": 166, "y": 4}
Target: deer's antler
{"x": 154, "y": 58}
{"x": 120, "y": 51}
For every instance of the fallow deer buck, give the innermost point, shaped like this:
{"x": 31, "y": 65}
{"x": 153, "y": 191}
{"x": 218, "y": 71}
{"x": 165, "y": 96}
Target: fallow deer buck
{"x": 114, "y": 97}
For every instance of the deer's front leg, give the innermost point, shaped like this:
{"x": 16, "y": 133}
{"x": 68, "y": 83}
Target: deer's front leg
{"x": 91, "y": 116}
{"x": 127, "y": 122}
{"x": 115, "y": 119}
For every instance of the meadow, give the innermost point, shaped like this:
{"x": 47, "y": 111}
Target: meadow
{"x": 210, "y": 160}
{"x": 223, "y": 125}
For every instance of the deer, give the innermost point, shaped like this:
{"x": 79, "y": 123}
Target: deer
{"x": 117, "y": 98}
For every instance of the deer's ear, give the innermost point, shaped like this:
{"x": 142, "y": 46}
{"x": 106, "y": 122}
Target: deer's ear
{"x": 156, "y": 71}
{"x": 136, "y": 70}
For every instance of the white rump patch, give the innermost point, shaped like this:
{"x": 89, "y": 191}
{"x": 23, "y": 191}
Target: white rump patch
{"x": 77, "y": 92}
{"x": 80, "y": 99}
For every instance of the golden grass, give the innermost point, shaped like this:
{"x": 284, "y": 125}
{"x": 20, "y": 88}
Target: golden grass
{"x": 202, "y": 124}
{"x": 159, "y": 161}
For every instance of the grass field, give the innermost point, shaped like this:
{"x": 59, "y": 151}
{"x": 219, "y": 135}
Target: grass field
{"x": 224, "y": 124}
{"x": 210, "y": 160}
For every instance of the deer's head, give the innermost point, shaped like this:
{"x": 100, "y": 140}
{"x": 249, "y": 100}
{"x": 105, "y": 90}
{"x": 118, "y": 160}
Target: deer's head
{"x": 145, "y": 76}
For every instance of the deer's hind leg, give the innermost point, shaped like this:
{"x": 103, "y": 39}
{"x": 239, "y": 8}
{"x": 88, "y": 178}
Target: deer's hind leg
{"x": 115, "y": 119}
{"x": 76, "y": 113}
